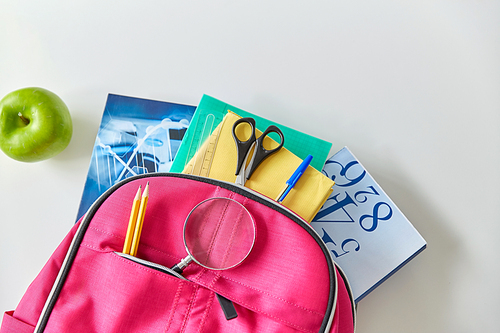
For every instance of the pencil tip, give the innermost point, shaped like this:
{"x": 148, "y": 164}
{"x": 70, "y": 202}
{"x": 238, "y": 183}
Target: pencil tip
{"x": 146, "y": 190}
{"x": 138, "y": 194}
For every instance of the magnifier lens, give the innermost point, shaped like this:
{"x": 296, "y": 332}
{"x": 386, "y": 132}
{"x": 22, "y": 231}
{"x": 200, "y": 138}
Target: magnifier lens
{"x": 219, "y": 233}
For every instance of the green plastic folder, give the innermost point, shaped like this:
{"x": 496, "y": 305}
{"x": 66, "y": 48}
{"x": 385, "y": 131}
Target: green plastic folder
{"x": 210, "y": 113}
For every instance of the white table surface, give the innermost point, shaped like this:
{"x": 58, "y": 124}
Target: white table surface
{"x": 411, "y": 87}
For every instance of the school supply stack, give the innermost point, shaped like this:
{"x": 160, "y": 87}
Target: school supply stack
{"x": 221, "y": 241}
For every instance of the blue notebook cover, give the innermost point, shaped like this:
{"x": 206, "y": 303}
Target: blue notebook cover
{"x": 136, "y": 136}
{"x": 368, "y": 236}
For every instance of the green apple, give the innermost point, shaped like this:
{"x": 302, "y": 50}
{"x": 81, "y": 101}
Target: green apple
{"x": 35, "y": 125}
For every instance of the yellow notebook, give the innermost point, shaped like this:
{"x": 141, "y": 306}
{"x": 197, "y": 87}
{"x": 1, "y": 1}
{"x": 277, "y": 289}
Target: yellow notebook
{"x": 269, "y": 179}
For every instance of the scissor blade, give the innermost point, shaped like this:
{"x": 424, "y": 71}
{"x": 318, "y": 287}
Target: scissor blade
{"x": 249, "y": 168}
{"x": 242, "y": 176}
{"x": 240, "y": 179}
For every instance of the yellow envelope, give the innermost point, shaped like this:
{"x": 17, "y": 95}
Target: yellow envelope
{"x": 269, "y": 179}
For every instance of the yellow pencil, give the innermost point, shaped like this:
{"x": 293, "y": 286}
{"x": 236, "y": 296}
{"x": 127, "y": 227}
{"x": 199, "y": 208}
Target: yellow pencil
{"x": 131, "y": 223}
{"x": 140, "y": 221}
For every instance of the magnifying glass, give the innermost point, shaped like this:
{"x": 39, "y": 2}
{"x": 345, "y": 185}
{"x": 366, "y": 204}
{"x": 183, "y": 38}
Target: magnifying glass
{"x": 219, "y": 233}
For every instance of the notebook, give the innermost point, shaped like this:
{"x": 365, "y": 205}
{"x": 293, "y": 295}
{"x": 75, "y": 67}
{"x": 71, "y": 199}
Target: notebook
{"x": 210, "y": 113}
{"x": 269, "y": 179}
{"x": 136, "y": 136}
{"x": 367, "y": 234}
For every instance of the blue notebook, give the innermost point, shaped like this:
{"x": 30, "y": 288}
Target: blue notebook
{"x": 367, "y": 234}
{"x": 136, "y": 136}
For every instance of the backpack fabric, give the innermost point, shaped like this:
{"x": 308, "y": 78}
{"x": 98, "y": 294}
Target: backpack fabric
{"x": 288, "y": 282}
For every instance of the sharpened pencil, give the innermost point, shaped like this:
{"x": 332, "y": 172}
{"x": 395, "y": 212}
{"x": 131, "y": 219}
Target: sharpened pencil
{"x": 140, "y": 221}
{"x": 131, "y": 223}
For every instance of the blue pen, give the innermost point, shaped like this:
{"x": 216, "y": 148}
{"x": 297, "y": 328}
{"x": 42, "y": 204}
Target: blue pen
{"x": 290, "y": 183}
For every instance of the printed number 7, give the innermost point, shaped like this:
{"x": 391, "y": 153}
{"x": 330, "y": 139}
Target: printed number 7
{"x": 365, "y": 193}
{"x": 327, "y": 239}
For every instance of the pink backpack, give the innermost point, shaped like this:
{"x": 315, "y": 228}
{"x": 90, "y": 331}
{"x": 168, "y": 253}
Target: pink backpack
{"x": 287, "y": 283}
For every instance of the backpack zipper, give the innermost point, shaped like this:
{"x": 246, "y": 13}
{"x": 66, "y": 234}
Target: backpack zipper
{"x": 151, "y": 265}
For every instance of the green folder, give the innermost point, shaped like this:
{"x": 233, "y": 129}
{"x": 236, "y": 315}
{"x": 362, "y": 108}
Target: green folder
{"x": 210, "y": 113}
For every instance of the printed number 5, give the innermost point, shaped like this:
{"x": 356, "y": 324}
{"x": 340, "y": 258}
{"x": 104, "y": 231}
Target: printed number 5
{"x": 327, "y": 239}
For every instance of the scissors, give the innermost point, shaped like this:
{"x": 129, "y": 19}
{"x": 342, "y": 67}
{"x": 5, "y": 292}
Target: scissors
{"x": 259, "y": 153}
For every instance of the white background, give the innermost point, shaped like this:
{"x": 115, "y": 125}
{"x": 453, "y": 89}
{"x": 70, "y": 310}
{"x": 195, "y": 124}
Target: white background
{"x": 411, "y": 87}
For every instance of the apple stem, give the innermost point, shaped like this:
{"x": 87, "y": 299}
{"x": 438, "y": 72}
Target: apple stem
{"x": 25, "y": 120}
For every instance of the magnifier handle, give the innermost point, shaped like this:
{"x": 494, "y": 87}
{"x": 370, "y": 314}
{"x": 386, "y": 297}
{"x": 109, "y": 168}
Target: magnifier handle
{"x": 179, "y": 268}
{"x": 226, "y": 305}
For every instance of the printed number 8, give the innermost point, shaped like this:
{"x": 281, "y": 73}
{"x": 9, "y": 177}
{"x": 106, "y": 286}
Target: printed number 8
{"x": 375, "y": 217}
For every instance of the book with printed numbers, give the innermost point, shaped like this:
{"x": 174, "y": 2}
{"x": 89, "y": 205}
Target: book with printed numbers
{"x": 367, "y": 234}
